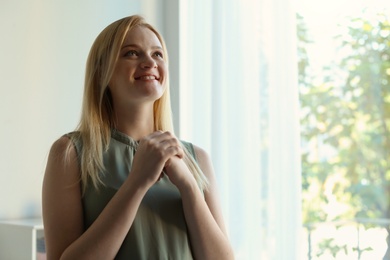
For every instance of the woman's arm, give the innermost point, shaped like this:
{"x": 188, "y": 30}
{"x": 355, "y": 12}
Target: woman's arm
{"x": 63, "y": 214}
{"x": 62, "y": 205}
{"x": 203, "y": 214}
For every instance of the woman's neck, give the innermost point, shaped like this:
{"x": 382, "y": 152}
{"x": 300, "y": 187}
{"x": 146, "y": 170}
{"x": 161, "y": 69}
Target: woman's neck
{"x": 135, "y": 122}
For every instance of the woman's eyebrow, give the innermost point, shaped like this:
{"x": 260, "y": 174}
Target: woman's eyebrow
{"x": 138, "y": 47}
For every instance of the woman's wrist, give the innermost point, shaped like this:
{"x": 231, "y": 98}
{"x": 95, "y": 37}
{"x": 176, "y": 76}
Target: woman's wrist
{"x": 188, "y": 187}
{"x": 137, "y": 185}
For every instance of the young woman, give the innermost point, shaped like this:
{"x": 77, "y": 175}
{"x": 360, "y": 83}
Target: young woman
{"x": 122, "y": 185}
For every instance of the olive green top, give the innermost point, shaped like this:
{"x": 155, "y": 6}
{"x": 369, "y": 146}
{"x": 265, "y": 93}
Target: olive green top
{"x": 159, "y": 230}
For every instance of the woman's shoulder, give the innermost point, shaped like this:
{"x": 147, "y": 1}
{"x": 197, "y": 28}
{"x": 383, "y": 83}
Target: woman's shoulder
{"x": 74, "y": 135}
{"x": 190, "y": 147}
{"x": 62, "y": 143}
{"x": 76, "y": 140}
{"x": 66, "y": 146}
{"x": 61, "y": 151}
{"x": 200, "y": 155}
{"x": 193, "y": 148}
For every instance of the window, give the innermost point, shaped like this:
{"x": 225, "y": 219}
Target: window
{"x": 344, "y": 83}
{"x": 239, "y": 101}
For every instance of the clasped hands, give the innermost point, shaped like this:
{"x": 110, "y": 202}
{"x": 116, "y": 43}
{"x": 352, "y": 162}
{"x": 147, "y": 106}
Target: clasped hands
{"x": 157, "y": 152}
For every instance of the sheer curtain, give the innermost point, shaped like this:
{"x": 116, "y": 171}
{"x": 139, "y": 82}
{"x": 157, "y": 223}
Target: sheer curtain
{"x": 239, "y": 101}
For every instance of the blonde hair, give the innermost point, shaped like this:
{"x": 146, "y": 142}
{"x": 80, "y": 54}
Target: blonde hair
{"x": 94, "y": 129}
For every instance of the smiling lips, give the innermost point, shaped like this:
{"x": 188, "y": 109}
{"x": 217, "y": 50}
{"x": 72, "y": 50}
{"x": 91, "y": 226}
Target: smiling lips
{"x": 146, "y": 77}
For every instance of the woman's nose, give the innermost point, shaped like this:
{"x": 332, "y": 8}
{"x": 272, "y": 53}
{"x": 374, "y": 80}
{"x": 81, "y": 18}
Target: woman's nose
{"x": 148, "y": 62}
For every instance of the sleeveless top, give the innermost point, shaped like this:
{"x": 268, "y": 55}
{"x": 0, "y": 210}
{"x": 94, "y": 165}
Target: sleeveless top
{"x": 159, "y": 230}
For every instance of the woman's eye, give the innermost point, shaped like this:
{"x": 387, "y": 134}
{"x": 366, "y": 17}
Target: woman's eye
{"x": 131, "y": 53}
{"x": 158, "y": 54}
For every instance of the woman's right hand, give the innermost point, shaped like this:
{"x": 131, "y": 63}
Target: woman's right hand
{"x": 153, "y": 153}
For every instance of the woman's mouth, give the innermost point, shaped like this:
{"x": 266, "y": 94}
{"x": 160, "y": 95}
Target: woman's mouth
{"x": 146, "y": 77}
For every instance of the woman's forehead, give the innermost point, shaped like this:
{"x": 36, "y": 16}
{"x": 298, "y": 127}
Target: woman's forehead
{"x": 141, "y": 35}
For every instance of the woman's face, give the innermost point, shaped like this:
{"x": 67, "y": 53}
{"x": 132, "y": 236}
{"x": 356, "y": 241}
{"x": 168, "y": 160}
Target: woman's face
{"x": 140, "y": 71}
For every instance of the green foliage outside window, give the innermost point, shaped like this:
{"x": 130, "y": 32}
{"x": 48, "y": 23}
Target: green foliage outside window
{"x": 345, "y": 126}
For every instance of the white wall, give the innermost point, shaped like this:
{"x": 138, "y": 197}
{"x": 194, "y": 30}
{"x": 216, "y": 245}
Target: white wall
{"x": 43, "y": 49}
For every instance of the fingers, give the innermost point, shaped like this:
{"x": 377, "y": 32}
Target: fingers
{"x": 155, "y": 152}
{"x": 165, "y": 142}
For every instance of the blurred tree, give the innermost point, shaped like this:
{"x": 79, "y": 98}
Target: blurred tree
{"x": 345, "y": 125}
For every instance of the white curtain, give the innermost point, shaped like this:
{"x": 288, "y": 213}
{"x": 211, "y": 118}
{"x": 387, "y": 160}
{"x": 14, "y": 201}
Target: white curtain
{"x": 239, "y": 101}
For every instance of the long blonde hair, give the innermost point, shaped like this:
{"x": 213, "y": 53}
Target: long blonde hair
{"x": 94, "y": 129}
